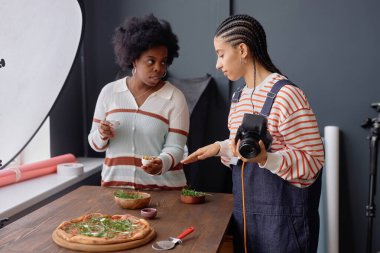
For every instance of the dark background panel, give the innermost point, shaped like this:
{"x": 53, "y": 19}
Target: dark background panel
{"x": 328, "y": 48}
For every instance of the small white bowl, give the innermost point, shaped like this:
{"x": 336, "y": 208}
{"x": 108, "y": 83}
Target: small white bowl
{"x": 115, "y": 123}
{"x": 146, "y": 161}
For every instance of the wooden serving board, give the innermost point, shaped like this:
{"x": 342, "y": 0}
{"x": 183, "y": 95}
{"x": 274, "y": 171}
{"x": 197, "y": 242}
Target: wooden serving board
{"x": 103, "y": 247}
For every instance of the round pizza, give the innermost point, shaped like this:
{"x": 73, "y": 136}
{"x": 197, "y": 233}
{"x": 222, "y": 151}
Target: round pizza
{"x": 97, "y": 228}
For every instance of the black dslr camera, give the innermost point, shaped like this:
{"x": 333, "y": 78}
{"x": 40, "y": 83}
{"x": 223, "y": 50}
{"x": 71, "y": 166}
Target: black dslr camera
{"x": 253, "y": 129}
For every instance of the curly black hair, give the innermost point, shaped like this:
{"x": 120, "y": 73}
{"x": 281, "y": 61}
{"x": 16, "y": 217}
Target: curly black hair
{"x": 246, "y": 29}
{"x": 138, "y": 34}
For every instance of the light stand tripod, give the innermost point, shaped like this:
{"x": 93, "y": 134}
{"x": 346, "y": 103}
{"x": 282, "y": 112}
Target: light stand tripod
{"x": 374, "y": 124}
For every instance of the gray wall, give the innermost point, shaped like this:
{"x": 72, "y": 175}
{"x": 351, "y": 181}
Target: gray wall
{"x": 328, "y": 48}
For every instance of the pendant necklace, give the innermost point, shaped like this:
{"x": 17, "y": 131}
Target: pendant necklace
{"x": 136, "y": 97}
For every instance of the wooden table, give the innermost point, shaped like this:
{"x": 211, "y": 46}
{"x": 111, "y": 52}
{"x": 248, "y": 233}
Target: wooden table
{"x": 32, "y": 233}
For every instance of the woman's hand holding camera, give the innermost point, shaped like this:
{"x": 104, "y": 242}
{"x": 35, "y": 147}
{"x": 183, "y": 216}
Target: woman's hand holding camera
{"x": 261, "y": 158}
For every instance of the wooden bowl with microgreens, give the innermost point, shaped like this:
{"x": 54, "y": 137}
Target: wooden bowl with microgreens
{"x": 189, "y": 196}
{"x": 131, "y": 199}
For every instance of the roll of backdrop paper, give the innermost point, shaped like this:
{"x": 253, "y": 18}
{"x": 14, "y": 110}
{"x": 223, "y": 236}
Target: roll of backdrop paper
{"x": 69, "y": 169}
{"x": 331, "y": 135}
{"x": 17, "y": 173}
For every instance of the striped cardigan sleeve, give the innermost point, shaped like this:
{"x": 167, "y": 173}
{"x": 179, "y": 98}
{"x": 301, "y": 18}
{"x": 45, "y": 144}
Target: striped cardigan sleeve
{"x": 95, "y": 139}
{"x": 175, "y": 141}
{"x": 298, "y": 155}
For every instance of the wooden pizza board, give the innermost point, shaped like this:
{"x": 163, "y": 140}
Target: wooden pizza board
{"x": 103, "y": 247}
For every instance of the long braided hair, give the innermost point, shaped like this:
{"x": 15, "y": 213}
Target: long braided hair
{"x": 238, "y": 29}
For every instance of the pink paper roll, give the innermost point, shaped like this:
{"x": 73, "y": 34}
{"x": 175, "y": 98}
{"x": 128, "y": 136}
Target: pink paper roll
{"x": 32, "y": 170}
{"x": 7, "y": 177}
{"x": 37, "y": 173}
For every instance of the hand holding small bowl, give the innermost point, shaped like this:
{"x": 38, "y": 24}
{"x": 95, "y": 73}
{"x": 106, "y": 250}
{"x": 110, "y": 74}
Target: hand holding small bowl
{"x": 114, "y": 123}
{"x": 151, "y": 165}
{"x": 145, "y": 160}
{"x": 107, "y": 128}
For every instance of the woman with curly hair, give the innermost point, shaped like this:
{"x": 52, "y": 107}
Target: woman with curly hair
{"x": 142, "y": 114}
{"x": 276, "y": 187}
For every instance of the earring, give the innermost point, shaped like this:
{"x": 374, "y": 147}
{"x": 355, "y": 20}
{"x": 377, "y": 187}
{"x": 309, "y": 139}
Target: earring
{"x": 164, "y": 74}
{"x": 134, "y": 71}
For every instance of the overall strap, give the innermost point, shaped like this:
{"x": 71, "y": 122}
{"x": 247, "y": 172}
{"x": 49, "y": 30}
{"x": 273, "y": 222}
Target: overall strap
{"x": 237, "y": 94}
{"x": 272, "y": 95}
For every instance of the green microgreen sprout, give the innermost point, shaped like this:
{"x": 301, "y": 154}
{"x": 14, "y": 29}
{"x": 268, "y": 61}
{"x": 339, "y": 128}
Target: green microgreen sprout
{"x": 127, "y": 195}
{"x": 190, "y": 192}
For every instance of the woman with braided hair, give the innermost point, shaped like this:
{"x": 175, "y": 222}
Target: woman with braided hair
{"x": 274, "y": 149}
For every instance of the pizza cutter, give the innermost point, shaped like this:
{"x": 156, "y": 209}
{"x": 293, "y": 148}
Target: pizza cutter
{"x": 172, "y": 241}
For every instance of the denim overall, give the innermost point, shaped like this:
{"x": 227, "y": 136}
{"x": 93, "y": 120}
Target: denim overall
{"x": 280, "y": 217}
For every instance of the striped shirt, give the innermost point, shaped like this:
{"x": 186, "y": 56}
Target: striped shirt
{"x": 297, "y": 152}
{"x": 159, "y": 127}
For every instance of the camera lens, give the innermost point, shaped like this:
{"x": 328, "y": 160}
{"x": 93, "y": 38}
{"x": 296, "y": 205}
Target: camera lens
{"x": 249, "y": 148}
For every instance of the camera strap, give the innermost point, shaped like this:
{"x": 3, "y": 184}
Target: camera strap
{"x": 272, "y": 95}
{"x": 237, "y": 94}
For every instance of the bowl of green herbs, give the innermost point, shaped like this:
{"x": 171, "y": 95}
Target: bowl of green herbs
{"x": 131, "y": 199}
{"x": 190, "y": 196}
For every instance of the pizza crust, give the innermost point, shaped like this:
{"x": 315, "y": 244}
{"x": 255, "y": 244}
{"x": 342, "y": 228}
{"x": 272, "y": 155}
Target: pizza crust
{"x": 103, "y": 247}
{"x": 142, "y": 229}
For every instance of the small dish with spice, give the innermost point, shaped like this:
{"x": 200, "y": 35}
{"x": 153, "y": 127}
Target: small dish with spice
{"x": 148, "y": 212}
